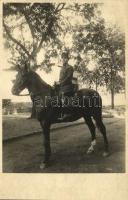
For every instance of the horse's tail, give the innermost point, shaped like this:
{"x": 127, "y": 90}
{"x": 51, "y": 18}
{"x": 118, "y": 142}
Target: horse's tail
{"x": 98, "y": 110}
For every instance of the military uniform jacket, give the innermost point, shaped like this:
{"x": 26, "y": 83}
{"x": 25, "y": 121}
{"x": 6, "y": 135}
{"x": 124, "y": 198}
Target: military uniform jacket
{"x": 66, "y": 76}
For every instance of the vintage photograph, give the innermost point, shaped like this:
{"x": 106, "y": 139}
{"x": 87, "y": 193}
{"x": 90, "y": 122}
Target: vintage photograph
{"x": 63, "y": 88}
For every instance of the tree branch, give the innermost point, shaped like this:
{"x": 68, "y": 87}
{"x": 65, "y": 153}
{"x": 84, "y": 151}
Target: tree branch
{"x": 41, "y": 41}
{"x": 59, "y": 7}
{"x": 15, "y": 40}
{"x": 21, "y": 27}
{"x": 71, "y": 9}
{"x": 18, "y": 26}
{"x": 28, "y": 22}
{"x": 40, "y": 44}
{"x": 26, "y": 16}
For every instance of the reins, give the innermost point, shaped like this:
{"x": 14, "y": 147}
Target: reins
{"x": 24, "y": 95}
{"x": 43, "y": 85}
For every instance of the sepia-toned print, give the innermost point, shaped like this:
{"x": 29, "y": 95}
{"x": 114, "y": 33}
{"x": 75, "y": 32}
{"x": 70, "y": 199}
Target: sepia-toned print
{"x": 63, "y": 95}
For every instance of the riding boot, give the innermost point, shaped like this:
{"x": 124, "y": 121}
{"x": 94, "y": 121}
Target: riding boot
{"x": 66, "y": 110}
{"x": 65, "y": 114}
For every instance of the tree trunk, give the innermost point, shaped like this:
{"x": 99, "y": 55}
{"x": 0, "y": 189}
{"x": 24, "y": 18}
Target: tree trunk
{"x": 112, "y": 89}
{"x": 112, "y": 83}
{"x": 96, "y": 84}
{"x": 112, "y": 98}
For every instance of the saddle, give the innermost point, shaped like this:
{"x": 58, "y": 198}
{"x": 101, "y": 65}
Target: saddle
{"x": 56, "y": 88}
{"x": 66, "y": 110}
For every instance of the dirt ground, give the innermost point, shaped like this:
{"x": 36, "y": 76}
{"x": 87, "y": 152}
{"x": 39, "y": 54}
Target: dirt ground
{"x": 19, "y": 125}
{"x": 69, "y": 146}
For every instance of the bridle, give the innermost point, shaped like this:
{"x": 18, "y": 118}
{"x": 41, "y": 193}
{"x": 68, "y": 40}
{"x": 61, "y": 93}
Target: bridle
{"x": 31, "y": 94}
{"x": 24, "y": 95}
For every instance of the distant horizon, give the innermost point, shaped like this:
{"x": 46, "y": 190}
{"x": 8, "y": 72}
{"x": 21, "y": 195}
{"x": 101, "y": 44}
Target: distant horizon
{"x": 120, "y": 99}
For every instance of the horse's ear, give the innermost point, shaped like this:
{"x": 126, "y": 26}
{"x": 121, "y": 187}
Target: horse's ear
{"x": 18, "y": 68}
{"x": 26, "y": 68}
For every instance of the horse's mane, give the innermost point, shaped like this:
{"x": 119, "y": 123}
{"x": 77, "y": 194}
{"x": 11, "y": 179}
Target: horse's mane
{"x": 40, "y": 79}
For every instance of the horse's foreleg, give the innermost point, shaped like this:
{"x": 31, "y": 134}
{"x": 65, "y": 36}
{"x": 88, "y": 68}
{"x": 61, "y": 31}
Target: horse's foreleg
{"x": 46, "y": 142}
{"x": 91, "y": 127}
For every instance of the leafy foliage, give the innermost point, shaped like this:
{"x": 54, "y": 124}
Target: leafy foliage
{"x": 6, "y": 103}
{"x": 41, "y": 20}
{"x": 106, "y": 44}
{"x": 48, "y": 27}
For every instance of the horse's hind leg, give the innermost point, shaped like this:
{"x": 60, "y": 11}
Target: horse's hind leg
{"x": 91, "y": 127}
{"x": 102, "y": 129}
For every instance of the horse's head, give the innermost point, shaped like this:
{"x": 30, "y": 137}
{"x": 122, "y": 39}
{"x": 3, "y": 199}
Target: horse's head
{"x": 21, "y": 81}
{"x": 29, "y": 79}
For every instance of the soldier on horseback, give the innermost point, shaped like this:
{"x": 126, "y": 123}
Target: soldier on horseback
{"x": 67, "y": 82}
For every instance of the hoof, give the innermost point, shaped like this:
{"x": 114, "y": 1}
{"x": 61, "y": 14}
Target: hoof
{"x": 106, "y": 154}
{"x": 42, "y": 165}
{"x": 90, "y": 151}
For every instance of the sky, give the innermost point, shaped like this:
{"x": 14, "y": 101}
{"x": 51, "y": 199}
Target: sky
{"x": 113, "y": 13}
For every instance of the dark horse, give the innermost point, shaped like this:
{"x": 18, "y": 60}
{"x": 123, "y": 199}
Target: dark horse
{"x": 87, "y": 104}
